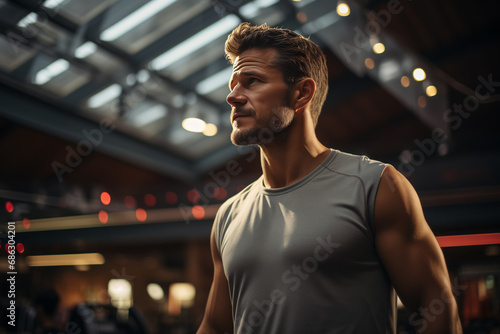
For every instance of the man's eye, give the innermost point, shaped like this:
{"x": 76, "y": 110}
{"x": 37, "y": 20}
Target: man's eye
{"x": 252, "y": 80}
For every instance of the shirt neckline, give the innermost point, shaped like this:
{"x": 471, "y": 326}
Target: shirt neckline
{"x": 283, "y": 190}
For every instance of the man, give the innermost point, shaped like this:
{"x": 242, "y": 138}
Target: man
{"x": 318, "y": 242}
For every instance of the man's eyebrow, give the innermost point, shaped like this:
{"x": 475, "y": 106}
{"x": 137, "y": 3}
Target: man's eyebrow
{"x": 246, "y": 73}
{"x": 250, "y": 73}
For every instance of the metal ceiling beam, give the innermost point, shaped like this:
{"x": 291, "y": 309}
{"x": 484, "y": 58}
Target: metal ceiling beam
{"x": 42, "y": 116}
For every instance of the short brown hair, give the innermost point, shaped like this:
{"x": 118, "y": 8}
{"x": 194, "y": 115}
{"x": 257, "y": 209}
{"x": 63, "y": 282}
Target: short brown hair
{"x": 298, "y": 57}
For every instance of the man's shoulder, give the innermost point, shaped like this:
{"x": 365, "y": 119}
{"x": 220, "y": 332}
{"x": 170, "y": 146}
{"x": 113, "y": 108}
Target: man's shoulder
{"x": 355, "y": 164}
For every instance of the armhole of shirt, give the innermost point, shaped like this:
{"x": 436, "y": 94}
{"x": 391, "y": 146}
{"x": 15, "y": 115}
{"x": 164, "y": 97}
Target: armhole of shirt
{"x": 372, "y": 196}
{"x": 217, "y": 226}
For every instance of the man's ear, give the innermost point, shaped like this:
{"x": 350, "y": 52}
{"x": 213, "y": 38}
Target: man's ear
{"x": 304, "y": 92}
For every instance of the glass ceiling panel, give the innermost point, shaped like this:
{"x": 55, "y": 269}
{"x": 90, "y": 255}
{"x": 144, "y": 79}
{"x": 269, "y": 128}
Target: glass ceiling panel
{"x": 13, "y": 55}
{"x": 144, "y": 26}
{"x": 67, "y": 81}
{"x": 78, "y": 11}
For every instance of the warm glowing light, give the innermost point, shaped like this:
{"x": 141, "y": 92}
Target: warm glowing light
{"x": 405, "y": 81}
{"x": 141, "y": 215}
{"x": 155, "y": 291}
{"x": 422, "y": 101}
{"x": 9, "y": 248}
{"x": 431, "y": 91}
{"x": 65, "y": 260}
{"x": 171, "y": 198}
{"x": 210, "y": 130}
{"x": 9, "y": 206}
{"x": 378, "y": 48}
{"x": 198, "y": 212}
{"x": 469, "y": 240}
{"x": 220, "y": 193}
{"x": 369, "y": 63}
{"x": 130, "y": 202}
{"x": 343, "y": 9}
{"x": 20, "y": 248}
{"x": 193, "y": 196}
{"x": 120, "y": 291}
{"x": 183, "y": 292}
{"x": 150, "y": 200}
{"x": 419, "y": 74}
{"x": 26, "y": 223}
{"x": 105, "y": 198}
{"x": 194, "y": 124}
{"x": 103, "y": 217}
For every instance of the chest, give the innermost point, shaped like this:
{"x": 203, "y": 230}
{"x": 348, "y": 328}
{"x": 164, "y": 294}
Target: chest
{"x": 273, "y": 233}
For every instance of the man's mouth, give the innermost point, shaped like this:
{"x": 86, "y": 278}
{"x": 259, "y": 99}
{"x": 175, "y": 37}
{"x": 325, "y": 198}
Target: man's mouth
{"x": 238, "y": 115}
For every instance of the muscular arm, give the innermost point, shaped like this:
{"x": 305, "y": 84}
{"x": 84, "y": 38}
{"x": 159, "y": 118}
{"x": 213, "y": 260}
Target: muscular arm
{"x": 218, "y": 314}
{"x": 412, "y": 257}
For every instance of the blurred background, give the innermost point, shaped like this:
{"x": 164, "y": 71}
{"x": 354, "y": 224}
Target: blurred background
{"x": 115, "y": 150}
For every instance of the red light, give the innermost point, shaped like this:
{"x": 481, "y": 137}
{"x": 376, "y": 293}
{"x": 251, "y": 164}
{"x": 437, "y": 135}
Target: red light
{"x": 26, "y": 223}
{"x": 469, "y": 240}
{"x": 220, "y": 193}
{"x": 171, "y": 198}
{"x": 193, "y": 196}
{"x": 103, "y": 217}
{"x": 9, "y": 206}
{"x": 141, "y": 214}
{"x": 198, "y": 212}
{"x": 20, "y": 248}
{"x": 8, "y": 248}
{"x": 105, "y": 198}
{"x": 150, "y": 200}
{"x": 130, "y": 202}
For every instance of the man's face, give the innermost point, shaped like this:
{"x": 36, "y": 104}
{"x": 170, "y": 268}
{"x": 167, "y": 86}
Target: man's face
{"x": 258, "y": 98}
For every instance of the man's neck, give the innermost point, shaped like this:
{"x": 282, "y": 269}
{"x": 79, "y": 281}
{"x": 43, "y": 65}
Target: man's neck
{"x": 288, "y": 160}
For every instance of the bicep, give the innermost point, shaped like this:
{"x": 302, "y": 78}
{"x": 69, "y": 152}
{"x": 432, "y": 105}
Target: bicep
{"x": 218, "y": 311}
{"x": 406, "y": 245}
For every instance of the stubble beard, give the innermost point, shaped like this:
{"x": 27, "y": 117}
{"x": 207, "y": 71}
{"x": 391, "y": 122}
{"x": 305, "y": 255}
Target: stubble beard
{"x": 281, "y": 120}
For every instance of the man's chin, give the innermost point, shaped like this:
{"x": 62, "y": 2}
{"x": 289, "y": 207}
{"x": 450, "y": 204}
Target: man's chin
{"x": 243, "y": 138}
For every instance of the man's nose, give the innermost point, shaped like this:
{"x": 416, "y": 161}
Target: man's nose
{"x": 236, "y": 98}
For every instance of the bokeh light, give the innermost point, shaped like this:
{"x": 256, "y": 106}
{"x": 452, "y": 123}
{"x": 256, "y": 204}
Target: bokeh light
{"x": 130, "y": 202}
{"x": 198, "y": 212}
{"x": 171, "y": 198}
{"x": 105, "y": 198}
{"x": 103, "y": 216}
{"x": 422, "y": 102}
{"x": 220, "y": 193}
{"x": 378, "y": 48}
{"x": 141, "y": 215}
{"x": 431, "y": 91}
{"x": 405, "y": 81}
{"x": 343, "y": 9}
{"x": 193, "y": 196}
{"x": 419, "y": 74}
{"x": 150, "y": 200}
{"x": 9, "y": 206}
{"x": 369, "y": 63}
{"x": 26, "y": 223}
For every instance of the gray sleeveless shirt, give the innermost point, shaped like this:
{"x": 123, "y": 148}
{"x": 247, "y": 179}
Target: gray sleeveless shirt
{"x": 302, "y": 259}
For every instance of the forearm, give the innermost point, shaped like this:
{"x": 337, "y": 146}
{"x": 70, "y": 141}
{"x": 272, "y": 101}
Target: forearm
{"x": 438, "y": 317}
